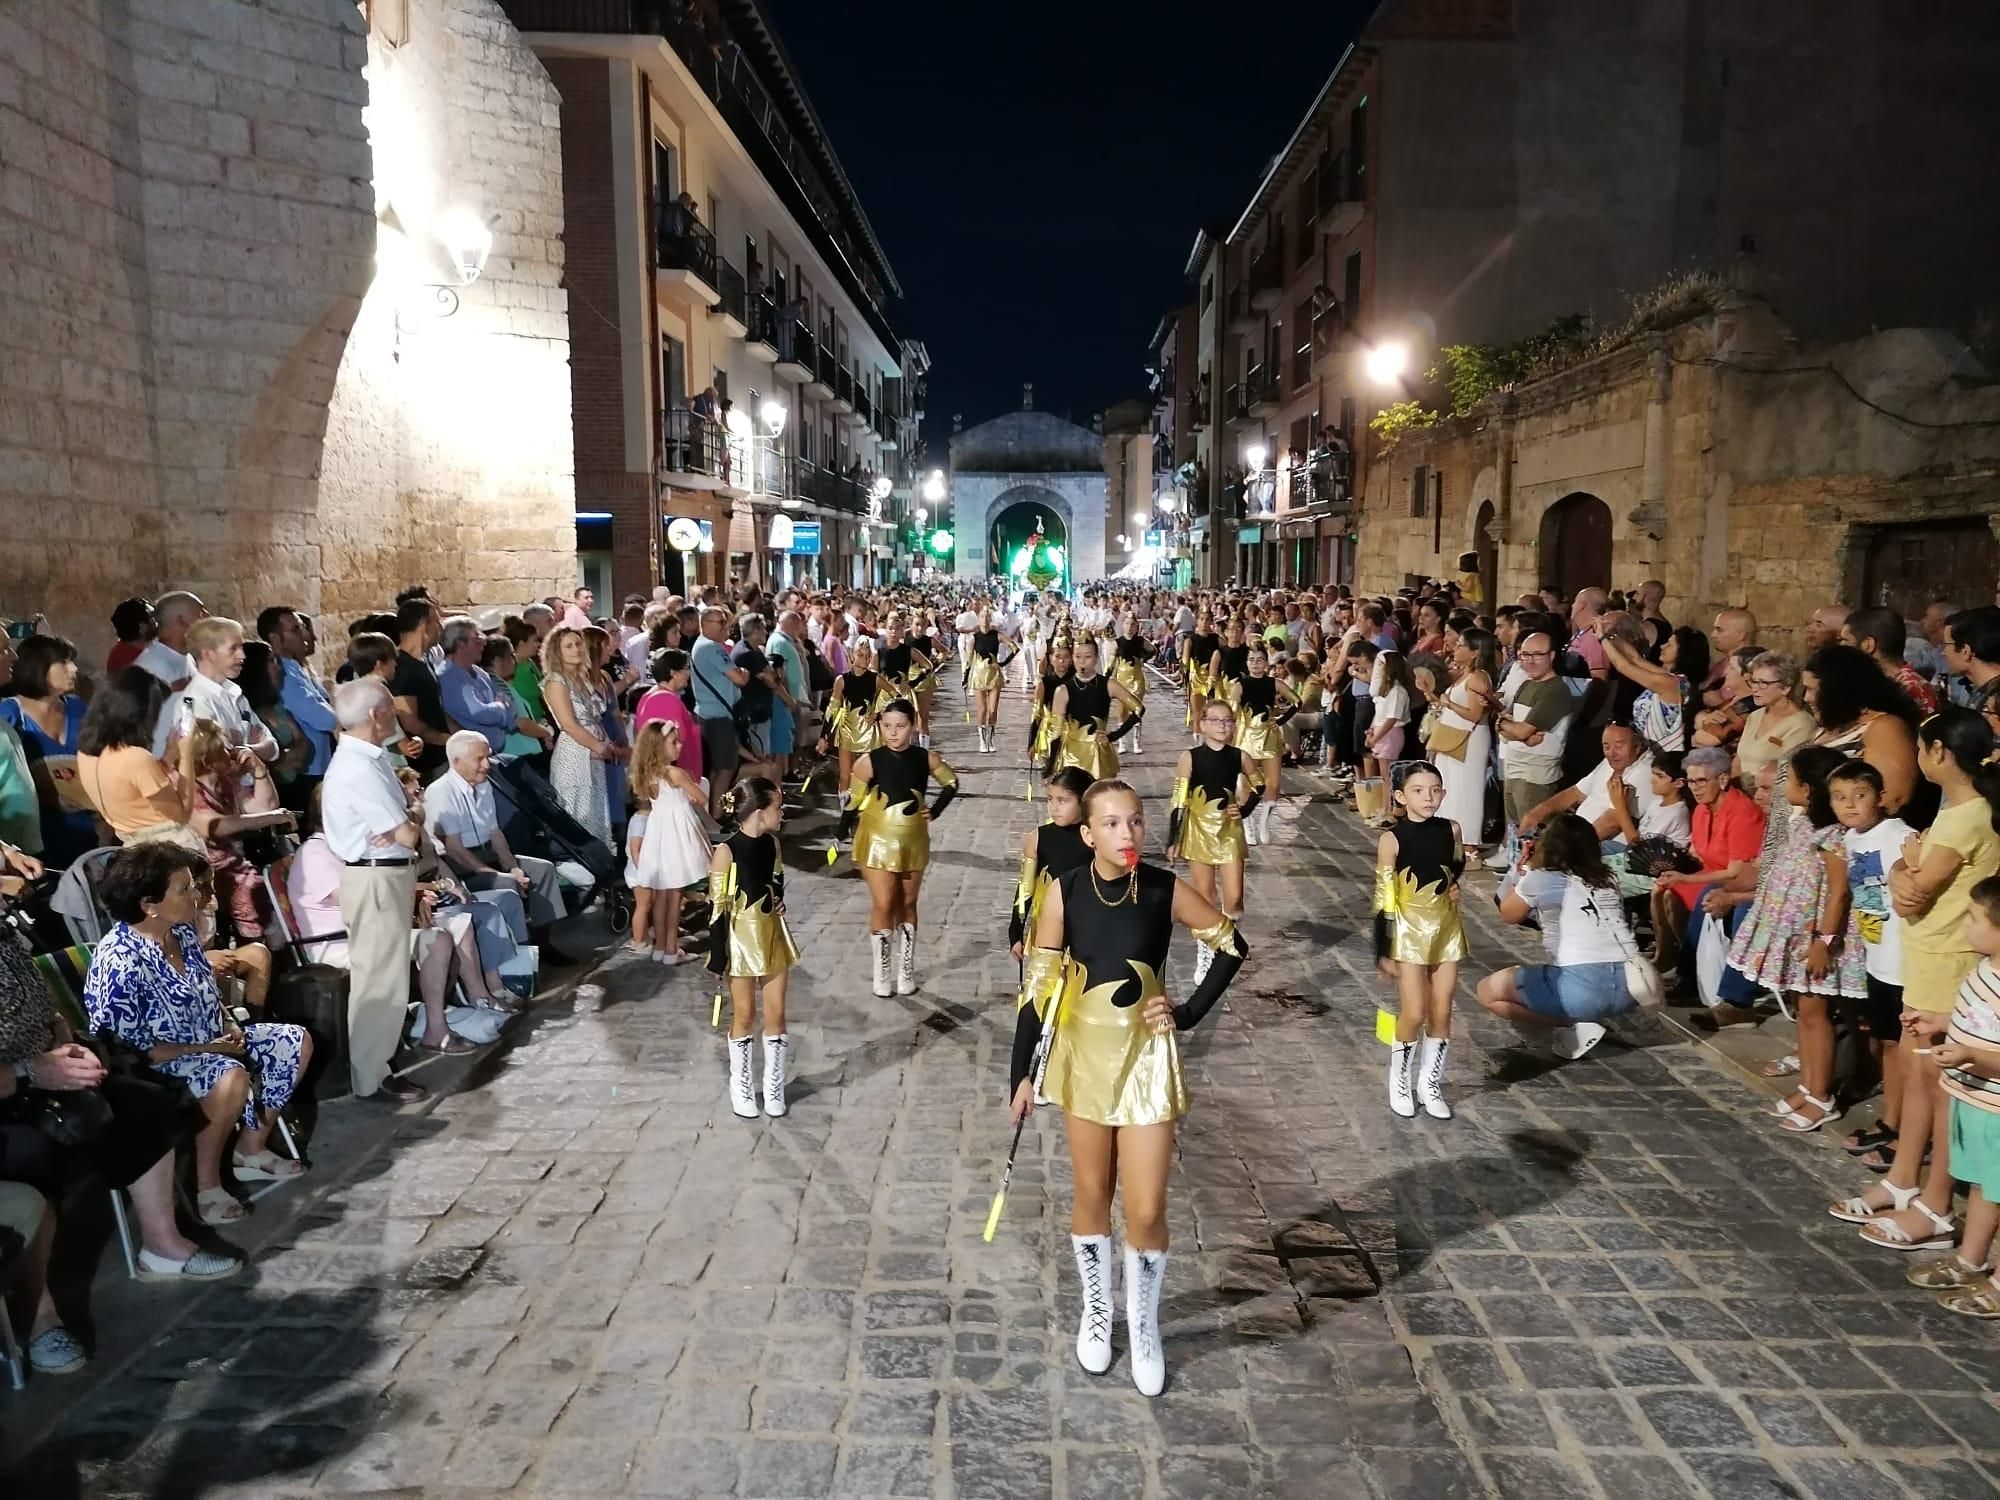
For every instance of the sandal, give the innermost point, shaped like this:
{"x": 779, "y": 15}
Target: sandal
{"x": 1891, "y": 1235}
{"x": 1796, "y": 1123}
{"x": 267, "y": 1166}
{"x": 1858, "y": 1210}
{"x": 1950, "y": 1274}
{"x": 452, "y": 1045}
{"x": 217, "y": 1205}
{"x": 1984, "y": 1302}
{"x": 1869, "y": 1138}
{"x": 1780, "y": 1067}
{"x": 55, "y": 1351}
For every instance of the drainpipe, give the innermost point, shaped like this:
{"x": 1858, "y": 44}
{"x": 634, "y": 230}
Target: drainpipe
{"x": 1501, "y": 527}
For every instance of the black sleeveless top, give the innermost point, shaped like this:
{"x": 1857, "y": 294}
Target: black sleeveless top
{"x": 1046, "y": 693}
{"x": 1058, "y": 850}
{"x": 1133, "y": 648}
{"x": 986, "y": 643}
{"x": 1428, "y": 851}
{"x": 895, "y": 661}
{"x": 1090, "y": 702}
{"x": 1236, "y": 662}
{"x": 1215, "y": 772}
{"x": 1258, "y": 694}
{"x": 1106, "y": 933}
{"x": 902, "y": 776}
{"x": 858, "y": 689}
{"x": 760, "y": 879}
{"x": 1202, "y": 649}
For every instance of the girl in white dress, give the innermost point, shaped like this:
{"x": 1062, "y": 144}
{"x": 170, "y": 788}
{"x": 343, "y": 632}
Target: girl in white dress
{"x": 1465, "y": 718}
{"x": 674, "y": 853}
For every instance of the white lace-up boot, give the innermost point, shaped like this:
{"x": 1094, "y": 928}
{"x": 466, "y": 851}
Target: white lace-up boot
{"x": 906, "y": 959}
{"x": 1093, "y": 1274}
{"x": 1402, "y": 1061}
{"x": 1429, "y": 1083}
{"x": 1145, "y": 1271}
{"x": 1203, "y": 957}
{"x": 742, "y": 1083}
{"x": 776, "y": 1049}
{"x": 878, "y": 943}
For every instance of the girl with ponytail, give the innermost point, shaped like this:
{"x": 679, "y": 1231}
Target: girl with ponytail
{"x": 749, "y": 944}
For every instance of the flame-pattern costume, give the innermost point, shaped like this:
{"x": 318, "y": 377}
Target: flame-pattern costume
{"x": 1129, "y": 655}
{"x": 852, "y": 706}
{"x": 1416, "y": 902}
{"x": 1261, "y": 705}
{"x": 1059, "y": 849}
{"x": 1082, "y": 730}
{"x": 886, "y": 813}
{"x": 984, "y": 673}
{"x": 1200, "y": 823}
{"x": 748, "y": 938}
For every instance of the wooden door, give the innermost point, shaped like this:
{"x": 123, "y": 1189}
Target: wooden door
{"x": 1576, "y": 544}
{"x": 1906, "y": 567}
{"x": 1489, "y": 555}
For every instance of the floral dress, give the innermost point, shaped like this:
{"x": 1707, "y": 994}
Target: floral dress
{"x": 577, "y": 776}
{"x": 1770, "y": 947}
{"x": 133, "y": 991}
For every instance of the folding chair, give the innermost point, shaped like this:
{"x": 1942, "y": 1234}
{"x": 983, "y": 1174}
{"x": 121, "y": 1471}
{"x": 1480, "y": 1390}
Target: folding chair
{"x": 62, "y": 976}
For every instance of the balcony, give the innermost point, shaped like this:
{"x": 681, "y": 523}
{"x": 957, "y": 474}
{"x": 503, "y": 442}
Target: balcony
{"x": 843, "y": 389}
{"x": 888, "y": 431}
{"x": 1340, "y": 205}
{"x": 1260, "y": 494}
{"x": 797, "y": 354}
{"x": 1260, "y": 392}
{"x": 821, "y": 384}
{"x": 1267, "y": 280}
{"x": 687, "y": 257}
{"x": 818, "y": 486}
{"x": 694, "y": 451}
{"x": 762, "y": 335}
{"x": 864, "y": 409}
{"x": 731, "y": 312}
{"x": 1236, "y": 403}
{"x": 1243, "y": 318}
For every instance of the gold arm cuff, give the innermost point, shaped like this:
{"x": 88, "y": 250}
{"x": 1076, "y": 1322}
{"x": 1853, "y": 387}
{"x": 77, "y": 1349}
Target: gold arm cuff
{"x": 857, "y": 794}
{"x": 1024, "y": 892}
{"x": 1041, "y": 978}
{"x": 945, "y": 775}
{"x": 1221, "y": 936}
{"x": 1385, "y": 890}
{"x": 718, "y": 887}
{"x": 1180, "y": 792}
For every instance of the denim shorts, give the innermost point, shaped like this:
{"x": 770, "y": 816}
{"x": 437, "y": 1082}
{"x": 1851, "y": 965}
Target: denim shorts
{"x": 1574, "y": 992}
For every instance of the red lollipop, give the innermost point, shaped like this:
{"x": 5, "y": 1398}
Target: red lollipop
{"x": 1132, "y": 859}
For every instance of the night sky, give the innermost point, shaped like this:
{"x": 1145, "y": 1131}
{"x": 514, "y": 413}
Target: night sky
{"x": 1037, "y": 172}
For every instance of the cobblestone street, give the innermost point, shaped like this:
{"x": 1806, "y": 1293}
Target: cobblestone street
{"x": 581, "y": 1275}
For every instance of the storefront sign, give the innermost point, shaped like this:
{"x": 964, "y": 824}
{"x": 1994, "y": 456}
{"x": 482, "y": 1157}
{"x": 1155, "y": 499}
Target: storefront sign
{"x": 805, "y": 539}
{"x": 1250, "y": 535}
{"x": 1155, "y": 537}
{"x": 781, "y": 533}
{"x": 684, "y": 533}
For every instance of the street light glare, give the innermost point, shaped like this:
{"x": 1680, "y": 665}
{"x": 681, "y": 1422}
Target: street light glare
{"x": 1386, "y": 362}
{"x": 934, "y": 486}
{"x": 772, "y": 414}
{"x": 1254, "y": 455}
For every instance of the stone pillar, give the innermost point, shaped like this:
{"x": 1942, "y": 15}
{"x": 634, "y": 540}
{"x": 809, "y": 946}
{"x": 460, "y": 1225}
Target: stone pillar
{"x": 1650, "y": 516}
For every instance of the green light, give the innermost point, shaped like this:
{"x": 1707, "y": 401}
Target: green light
{"x": 940, "y": 543}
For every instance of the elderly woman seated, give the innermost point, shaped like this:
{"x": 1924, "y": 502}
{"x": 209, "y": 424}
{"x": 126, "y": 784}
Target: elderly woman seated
{"x": 1727, "y": 836}
{"x": 151, "y": 986}
{"x": 442, "y": 942}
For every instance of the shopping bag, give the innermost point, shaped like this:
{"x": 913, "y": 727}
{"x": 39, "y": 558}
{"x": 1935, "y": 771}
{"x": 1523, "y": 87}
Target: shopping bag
{"x": 1369, "y": 799}
{"x": 1711, "y": 960}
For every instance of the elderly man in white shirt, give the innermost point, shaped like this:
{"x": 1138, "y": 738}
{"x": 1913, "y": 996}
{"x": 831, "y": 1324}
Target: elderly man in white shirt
{"x": 166, "y": 656}
{"x": 1626, "y": 757}
{"x": 366, "y": 819}
{"x": 460, "y": 813}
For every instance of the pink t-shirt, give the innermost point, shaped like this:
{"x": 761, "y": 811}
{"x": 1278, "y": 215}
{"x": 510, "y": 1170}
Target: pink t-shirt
{"x": 1585, "y": 643}
{"x": 662, "y": 704}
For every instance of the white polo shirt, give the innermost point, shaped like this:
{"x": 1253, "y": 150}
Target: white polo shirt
{"x": 455, "y": 808}
{"x": 362, "y": 799}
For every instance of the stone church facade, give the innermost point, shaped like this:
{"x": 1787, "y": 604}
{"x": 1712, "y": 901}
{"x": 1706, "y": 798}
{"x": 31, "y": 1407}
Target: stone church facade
{"x": 1028, "y": 459}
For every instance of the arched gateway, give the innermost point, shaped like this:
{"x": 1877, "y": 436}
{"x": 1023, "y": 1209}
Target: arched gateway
{"x": 1009, "y": 473}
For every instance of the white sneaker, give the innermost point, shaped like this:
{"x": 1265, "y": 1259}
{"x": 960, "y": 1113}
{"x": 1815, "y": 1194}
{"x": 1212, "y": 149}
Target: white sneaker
{"x": 1145, "y": 1272}
{"x": 1093, "y": 1274}
{"x": 1499, "y": 862}
{"x": 742, "y": 1086}
{"x": 1402, "y": 1061}
{"x": 884, "y": 986}
{"x": 906, "y": 959}
{"x": 775, "y": 1050}
{"x": 1571, "y": 1042}
{"x": 1429, "y": 1078}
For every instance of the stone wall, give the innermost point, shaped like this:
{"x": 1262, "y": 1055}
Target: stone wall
{"x": 187, "y": 221}
{"x": 186, "y": 226}
{"x": 448, "y": 449}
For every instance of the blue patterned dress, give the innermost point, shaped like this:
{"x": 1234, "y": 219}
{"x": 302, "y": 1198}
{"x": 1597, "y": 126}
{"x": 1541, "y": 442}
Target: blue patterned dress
{"x": 132, "y": 990}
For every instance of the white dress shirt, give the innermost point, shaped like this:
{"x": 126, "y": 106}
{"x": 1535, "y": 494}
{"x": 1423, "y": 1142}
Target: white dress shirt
{"x": 455, "y": 808}
{"x": 171, "y": 667}
{"x": 223, "y": 703}
{"x": 360, "y": 800}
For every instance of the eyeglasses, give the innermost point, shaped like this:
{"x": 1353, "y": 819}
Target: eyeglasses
{"x": 1757, "y": 682}
{"x": 1533, "y": 655}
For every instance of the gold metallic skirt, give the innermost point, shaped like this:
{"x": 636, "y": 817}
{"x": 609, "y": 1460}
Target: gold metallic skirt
{"x": 760, "y": 945}
{"x": 984, "y": 676}
{"x": 855, "y": 732}
{"x": 1129, "y": 675}
{"x": 1209, "y": 836}
{"x": 1425, "y": 928}
{"x": 1105, "y": 1064}
{"x": 1084, "y": 746}
{"x": 891, "y": 838}
{"x": 1045, "y": 730}
{"x": 1200, "y": 683}
{"x": 1257, "y": 737}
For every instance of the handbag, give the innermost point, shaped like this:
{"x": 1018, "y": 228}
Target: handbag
{"x": 71, "y": 1117}
{"x": 1441, "y": 738}
{"x": 1642, "y": 981}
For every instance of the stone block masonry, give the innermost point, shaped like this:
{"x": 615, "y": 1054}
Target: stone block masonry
{"x": 188, "y": 216}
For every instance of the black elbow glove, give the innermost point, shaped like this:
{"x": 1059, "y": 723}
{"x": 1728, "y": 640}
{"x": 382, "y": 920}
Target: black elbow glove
{"x": 1027, "y": 1034}
{"x": 844, "y": 830}
{"x": 944, "y": 796}
{"x": 1250, "y": 804}
{"x": 1017, "y": 926}
{"x": 1230, "y": 951}
{"x": 1131, "y": 723}
{"x": 1174, "y": 827}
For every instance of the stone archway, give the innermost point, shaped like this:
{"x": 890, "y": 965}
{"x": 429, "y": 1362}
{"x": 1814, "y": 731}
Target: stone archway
{"x": 1575, "y": 544}
{"x": 1012, "y": 522}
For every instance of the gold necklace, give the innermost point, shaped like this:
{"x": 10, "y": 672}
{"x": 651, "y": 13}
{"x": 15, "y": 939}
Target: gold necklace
{"x": 1131, "y": 895}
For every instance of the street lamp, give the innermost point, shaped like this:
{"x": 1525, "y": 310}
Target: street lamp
{"x": 920, "y": 515}
{"x": 881, "y": 489}
{"x": 772, "y": 414}
{"x": 468, "y": 240}
{"x": 1140, "y": 518}
{"x": 1386, "y": 361}
{"x": 934, "y": 487}
{"x": 1254, "y": 456}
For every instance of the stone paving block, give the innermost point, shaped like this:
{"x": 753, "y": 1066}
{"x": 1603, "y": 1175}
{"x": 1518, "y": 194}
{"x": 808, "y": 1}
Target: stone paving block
{"x": 876, "y": 1470}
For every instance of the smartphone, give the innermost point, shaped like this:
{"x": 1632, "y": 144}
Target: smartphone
{"x": 20, "y": 630}
{"x": 184, "y": 722}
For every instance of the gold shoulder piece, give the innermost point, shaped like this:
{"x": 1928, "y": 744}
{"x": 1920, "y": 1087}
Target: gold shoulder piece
{"x": 945, "y": 775}
{"x": 1180, "y": 792}
{"x": 1024, "y": 889}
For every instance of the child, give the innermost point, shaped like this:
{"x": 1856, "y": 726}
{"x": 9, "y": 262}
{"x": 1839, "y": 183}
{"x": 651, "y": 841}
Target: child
{"x": 749, "y": 943}
{"x": 642, "y": 899}
{"x": 1873, "y": 842}
{"x": 1418, "y": 939}
{"x": 1970, "y": 1058}
{"x": 674, "y": 853}
{"x": 1800, "y": 938}
{"x": 1930, "y": 889}
{"x": 1390, "y": 689}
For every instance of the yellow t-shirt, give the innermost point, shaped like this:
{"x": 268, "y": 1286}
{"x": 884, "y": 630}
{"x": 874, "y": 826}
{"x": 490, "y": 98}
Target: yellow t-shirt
{"x": 130, "y": 788}
{"x": 1936, "y": 957}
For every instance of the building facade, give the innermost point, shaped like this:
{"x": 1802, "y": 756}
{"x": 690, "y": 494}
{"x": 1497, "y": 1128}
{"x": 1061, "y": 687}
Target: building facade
{"x": 1021, "y": 471}
{"x": 283, "y": 316}
{"x": 737, "y": 369}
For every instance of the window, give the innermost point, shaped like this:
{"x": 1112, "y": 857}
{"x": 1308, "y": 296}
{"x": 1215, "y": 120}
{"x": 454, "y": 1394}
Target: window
{"x": 673, "y": 373}
{"x": 753, "y": 271}
{"x": 721, "y": 383}
{"x": 1350, "y": 291}
{"x": 1437, "y": 511}
{"x": 1357, "y": 152}
{"x": 1276, "y": 243}
{"x": 1420, "y": 491}
{"x": 1347, "y": 421}
{"x": 1302, "y": 343}
{"x": 666, "y": 172}
{"x": 1301, "y": 434}
{"x": 1207, "y": 292}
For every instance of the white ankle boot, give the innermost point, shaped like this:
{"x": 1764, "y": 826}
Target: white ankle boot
{"x": 906, "y": 959}
{"x": 776, "y": 1049}
{"x": 1132, "y": 742}
{"x": 1203, "y": 957}
{"x": 1145, "y": 1271}
{"x": 1402, "y": 1062}
{"x": 1093, "y": 1274}
{"x": 742, "y": 1084}
{"x": 1429, "y": 1080}
{"x": 878, "y": 942}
